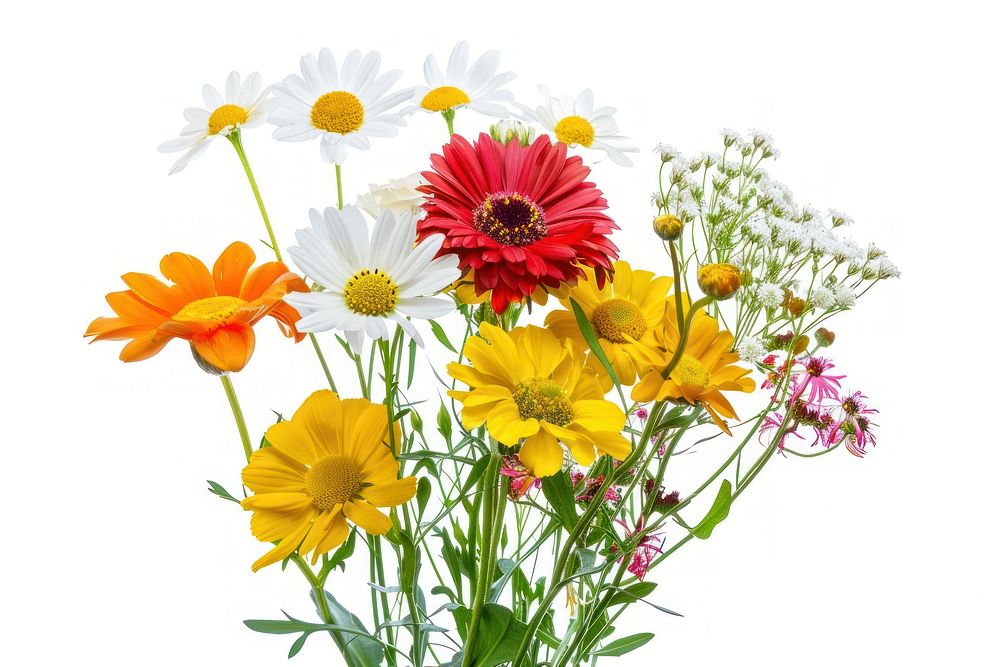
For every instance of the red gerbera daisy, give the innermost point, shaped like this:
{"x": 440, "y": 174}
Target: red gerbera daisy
{"x": 518, "y": 216}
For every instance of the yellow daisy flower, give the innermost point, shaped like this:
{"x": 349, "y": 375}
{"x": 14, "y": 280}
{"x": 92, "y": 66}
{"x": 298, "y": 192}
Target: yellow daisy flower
{"x": 330, "y": 462}
{"x": 624, "y": 314}
{"x": 527, "y": 385}
{"x": 704, "y": 371}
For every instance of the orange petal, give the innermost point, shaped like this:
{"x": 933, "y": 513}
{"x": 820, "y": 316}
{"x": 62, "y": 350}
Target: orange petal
{"x": 231, "y": 268}
{"x": 192, "y": 278}
{"x": 227, "y": 349}
{"x": 262, "y": 278}
{"x": 154, "y": 292}
{"x": 143, "y": 347}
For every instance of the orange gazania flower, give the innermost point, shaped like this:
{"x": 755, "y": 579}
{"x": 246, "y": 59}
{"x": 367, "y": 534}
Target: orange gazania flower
{"x": 215, "y": 311}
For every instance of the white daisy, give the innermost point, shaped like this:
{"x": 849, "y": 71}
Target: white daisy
{"x": 369, "y": 283}
{"x": 244, "y": 104}
{"x": 576, "y": 122}
{"x": 478, "y": 87}
{"x": 344, "y": 108}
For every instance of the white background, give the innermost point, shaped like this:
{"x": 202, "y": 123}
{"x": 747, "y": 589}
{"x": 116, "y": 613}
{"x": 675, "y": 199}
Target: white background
{"x": 112, "y": 550}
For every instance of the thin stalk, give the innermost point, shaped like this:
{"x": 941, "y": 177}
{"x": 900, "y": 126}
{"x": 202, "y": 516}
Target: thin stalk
{"x": 489, "y": 541}
{"x": 237, "y": 142}
{"x": 241, "y": 423}
{"x": 340, "y": 188}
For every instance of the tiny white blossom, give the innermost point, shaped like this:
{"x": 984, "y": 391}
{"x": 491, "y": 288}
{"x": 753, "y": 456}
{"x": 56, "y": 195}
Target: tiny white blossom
{"x": 759, "y": 230}
{"x": 730, "y": 137}
{"x": 839, "y": 218}
{"x": 844, "y": 295}
{"x": 666, "y": 152}
{"x": 886, "y": 269}
{"x": 770, "y": 295}
{"x": 823, "y": 298}
{"x": 751, "y": 350}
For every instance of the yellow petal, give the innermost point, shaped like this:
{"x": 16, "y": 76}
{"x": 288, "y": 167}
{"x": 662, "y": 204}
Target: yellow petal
{"x": 365, "y": 515}
{"x": 505, "y": 424}
{"x": 598, "y": 415}
{"x": 541, "y": 454}
{"x": 391, "y": 494}
{"x": 284, "y": 548}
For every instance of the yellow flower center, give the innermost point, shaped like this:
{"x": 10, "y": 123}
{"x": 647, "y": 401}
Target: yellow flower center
{"x": 573, "y": 130}
{"x": 689, "y": 371}
{"x": 371, "y": 293}
{"x": 339, "y": 112}
{"x": 615, "y": 319}
{"x": 213, "y": 308}
{"x": 544, "y": 400}
{"x": 443, "y": 98}
{"x": 226, "y": 115}
{"x": 333, "y": 481}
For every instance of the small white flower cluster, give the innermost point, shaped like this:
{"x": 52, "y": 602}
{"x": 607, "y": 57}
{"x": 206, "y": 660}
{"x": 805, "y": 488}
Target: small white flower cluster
{"x": 751, "y": 350}
{"x": 770, "y": 295}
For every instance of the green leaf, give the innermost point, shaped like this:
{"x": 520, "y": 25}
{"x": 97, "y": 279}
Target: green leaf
{"x": 717, "y": 514}
{"x": 595, "y": 344}
{"x": 558, "y": 491}
{"x": 624, "y": 645}
{"x": 276, "y": 627}
{"x": 218, "y": 490}
{"x": 499, "y": 636}
{"x": 359, "y": 648}
{"x": 632, "y": 593}
{"x": 298, "y": 644}
{"x": 442, "y": 336}
{"x": 411, "y": 362}
{"x": 477, "y": 472}
{"x": 423, "y": 493}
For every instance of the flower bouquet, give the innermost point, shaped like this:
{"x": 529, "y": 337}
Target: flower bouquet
{"x": 507, "y": 507}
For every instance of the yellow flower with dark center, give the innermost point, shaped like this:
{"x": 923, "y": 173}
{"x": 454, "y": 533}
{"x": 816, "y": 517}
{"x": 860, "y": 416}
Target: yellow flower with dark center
{"x": 329, "y": 463}
{"x": 532, "y": 390}
{"x": 705, "y": 370}
{"x": 623, "y": 313}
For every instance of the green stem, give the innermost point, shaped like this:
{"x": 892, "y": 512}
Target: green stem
{"x": 322, "y": 362}
{"x": 492, "y": 508}
{"x": 556, "y": 582}
{"x": 449, "y": 117}
{"x": 237, "y": 142}
{"x": 241, "y": 423}
{"x": 340, "y": 188}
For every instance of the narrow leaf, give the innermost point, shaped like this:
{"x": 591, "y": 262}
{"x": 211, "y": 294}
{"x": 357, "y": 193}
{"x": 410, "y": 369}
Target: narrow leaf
{"x": 717, "y": 514}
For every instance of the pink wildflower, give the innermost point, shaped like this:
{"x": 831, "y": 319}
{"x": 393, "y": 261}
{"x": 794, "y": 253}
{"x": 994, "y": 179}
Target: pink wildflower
{"x": 815, "y": 378}
{"x": 521, "y": 480}
{"x": 643, "y": 553}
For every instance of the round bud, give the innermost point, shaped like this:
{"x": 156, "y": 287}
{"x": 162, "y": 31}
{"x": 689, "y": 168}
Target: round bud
{"x": 796, "y": 306}
{"x": 825, "y": 337}
{"x": 668, "y": 227}
{"x": 719, "y": 281}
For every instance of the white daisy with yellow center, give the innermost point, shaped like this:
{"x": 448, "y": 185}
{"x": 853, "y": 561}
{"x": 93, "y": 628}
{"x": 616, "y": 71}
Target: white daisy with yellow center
{"x": 243, "y": 104}
{"x": 478, "y": 87}
{"x": 369, "y": 283}
{"x": 344, "y": 107}
{"x": 575, "y": 122}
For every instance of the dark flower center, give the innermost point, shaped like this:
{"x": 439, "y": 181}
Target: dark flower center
{"x": 510, "y": 218}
